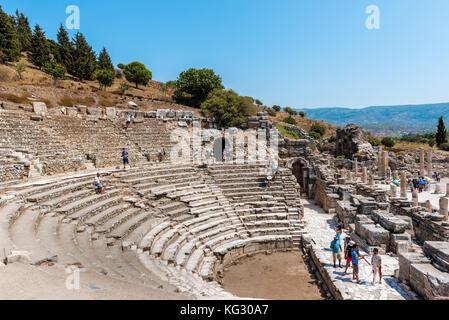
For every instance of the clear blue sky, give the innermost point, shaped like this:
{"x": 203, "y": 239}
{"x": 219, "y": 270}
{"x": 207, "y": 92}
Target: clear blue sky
{"x": 298, "y": 53}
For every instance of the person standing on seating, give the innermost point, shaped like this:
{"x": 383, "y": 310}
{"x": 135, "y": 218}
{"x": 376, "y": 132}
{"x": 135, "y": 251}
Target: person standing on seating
{"x": 128, "y": 120}
{"x": 125, "y": 155}
{"x": 355, "y": 263}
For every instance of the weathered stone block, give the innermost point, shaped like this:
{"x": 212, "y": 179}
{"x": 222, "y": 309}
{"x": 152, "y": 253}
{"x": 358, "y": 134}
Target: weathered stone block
{"x": 111, "y": 112}
{"x": 39, "y": 108}
{"x": 406, "y": 259}
{"x": 438, "y": 251}
{"x": 428, "y": 281}
{"x": 94, "y": 111}
{"x": 373, "y": 234}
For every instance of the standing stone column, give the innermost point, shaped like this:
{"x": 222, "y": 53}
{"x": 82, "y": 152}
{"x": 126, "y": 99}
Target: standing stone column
{"x": 429, "y": 163}
{"x": 364, "y": 175}
{"x": 415, "y": 198}
{"x": 421, "y": 163}
{"x": 393, "y": 191}
{"x": 380, "y": 163}
{"x": 438, "y": 189}
{"x": 429, "y": 206}
{"x": 371, "y": 180}
{"x": 384, "y": 164}
{"x": 444, "y": 204}
{"x": 403, "y": 185}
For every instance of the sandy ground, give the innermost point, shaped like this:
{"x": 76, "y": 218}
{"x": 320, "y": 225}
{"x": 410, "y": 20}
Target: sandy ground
{"x": 281, "y": 275}
{"x": 25, "y": 282}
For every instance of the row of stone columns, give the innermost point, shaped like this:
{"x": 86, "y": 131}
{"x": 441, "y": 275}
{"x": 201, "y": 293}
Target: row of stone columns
{"x": 422, "y": 165}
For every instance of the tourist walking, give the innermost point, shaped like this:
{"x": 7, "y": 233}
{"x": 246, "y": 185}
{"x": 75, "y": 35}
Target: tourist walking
{"x": 195, "y": 156}
{"x": 100, "y": 186}
{"x": 355, "y": 263}
{"x": 376, "y": 262}
{"x": 348, "y": 255}
{"x": 125, "y": 157}
{"x": 336, "y": 252}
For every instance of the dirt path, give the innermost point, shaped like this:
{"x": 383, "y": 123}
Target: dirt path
{"x": 281, "y": 275}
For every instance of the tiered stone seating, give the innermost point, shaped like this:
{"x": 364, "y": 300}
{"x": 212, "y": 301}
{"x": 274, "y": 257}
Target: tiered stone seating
{"x": 156, "y": 224}
{"x": 12, "y": 168}
{"x": 151, "y": 135}
{"x": 53, "y": 153}
{"x": 101, "y": 140}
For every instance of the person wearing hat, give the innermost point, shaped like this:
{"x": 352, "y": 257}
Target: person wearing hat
{"x": 336, "y": 252}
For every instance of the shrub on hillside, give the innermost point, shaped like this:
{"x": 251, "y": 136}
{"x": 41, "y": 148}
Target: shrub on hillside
{"x": 432, "y": 142}
{"x": 318, "y": 129}
{"x": 332, "y": 139}
{"x": 290, "y": 120}
{"x": 444, "y": 146}
{"x": 302, "y": 114}
{"x": 277, "y": 108}
{"x": 315, "y": 135}
{"x": 388, "y": 142}
{"x": 290, "y": 111}
{"x": 137, "y": 73}
{"x": 271, "y": 112}
{"x": 373, "y": 141}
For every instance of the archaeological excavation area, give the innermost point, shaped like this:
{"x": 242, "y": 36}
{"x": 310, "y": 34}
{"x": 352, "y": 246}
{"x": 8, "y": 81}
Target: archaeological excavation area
{"x": 181, "y": 229}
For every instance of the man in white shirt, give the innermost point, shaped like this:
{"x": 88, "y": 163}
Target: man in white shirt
{"x": 101, "y": 187}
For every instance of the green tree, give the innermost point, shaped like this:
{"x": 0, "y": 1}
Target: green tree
{"x": 9, "y": 41}
{"x": 105, "y": 78}
{"x": 137, "y": 73}
{"x": 124, "y": 87}
{"x": 54, "y": 69}
{"x": 258, "y": 102}
{"x": 431, "y": 142}
{"x": 441, "y": 136}
{"x": 23, "y": 30}
{"x": 104, "y": 61}
{"x": 388, "y": 142}
{"x": 228, "y": 108}
{"x": 84, "y": 58}
{"x": 121, "y": 66}
{"x": 302, "y": 114}
{"x": 277, "y": 108}
{"x": 171, "y": 84}
{"x": 20, "y": 69}
{"x": 194, "y": 86}
{"x": 39, "y": 49}
{"x": 65, "y": 50}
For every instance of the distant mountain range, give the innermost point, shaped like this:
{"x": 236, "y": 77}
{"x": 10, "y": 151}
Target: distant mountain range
{"x": 386, "y": 120}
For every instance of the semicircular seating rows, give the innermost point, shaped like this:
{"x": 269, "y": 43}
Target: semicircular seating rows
{"x": 166, "y": 224}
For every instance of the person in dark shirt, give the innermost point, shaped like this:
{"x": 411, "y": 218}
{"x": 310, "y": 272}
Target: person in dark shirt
{"x": 348, "y": 255}
{"x": 125, "y": 155}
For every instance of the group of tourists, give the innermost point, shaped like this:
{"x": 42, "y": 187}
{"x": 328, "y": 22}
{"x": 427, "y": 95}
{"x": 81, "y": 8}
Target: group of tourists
{"x": 419, "y": 184}
{"x": 352, "y": 256}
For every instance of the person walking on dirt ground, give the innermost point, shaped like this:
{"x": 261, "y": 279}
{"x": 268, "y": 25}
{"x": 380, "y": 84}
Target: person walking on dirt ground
{"x": 376, "y": 262}
{"x": 125, "y": 155}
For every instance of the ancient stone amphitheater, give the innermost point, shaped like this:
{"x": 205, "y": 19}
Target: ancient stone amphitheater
{"x": 169, "y": 226}
{"x": 174, "y": 227}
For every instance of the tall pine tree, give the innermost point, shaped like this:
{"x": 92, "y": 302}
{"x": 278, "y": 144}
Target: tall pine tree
{"x": 84, "y": 58}
{"x": 104, "y": 61}
{"x": 40, "y": 49}
{"x": 441, "y": 136}
{"x": 23, "y": 30}
{"x": 9, "y": 42}
{"x": 65, "y": 50}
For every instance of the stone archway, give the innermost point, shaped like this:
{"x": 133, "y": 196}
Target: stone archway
{"x": 300, "y": 169}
